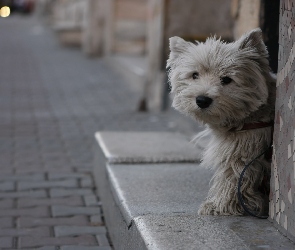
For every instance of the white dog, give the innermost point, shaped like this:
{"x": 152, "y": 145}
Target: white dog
{"x": 228, "y": 87}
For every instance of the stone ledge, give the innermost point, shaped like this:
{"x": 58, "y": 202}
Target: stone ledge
{"x": 154, "y": 206}
{"x": 170, "y": 231}
{"x": 146, "y": 147}
{"x": 141, "y": 189}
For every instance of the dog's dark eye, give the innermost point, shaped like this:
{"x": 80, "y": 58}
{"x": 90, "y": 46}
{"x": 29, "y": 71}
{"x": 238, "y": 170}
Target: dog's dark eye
{"x": 226, "y": 80}
{"x": 195, "y": 75}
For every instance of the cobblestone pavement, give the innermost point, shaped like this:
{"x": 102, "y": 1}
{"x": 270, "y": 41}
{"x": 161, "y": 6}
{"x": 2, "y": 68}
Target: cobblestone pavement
{"x": 52, "y": 100}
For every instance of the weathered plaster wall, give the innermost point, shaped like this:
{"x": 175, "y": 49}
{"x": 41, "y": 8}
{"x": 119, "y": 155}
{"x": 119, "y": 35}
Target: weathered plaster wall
{"x": 199, "y": 18}
{"x": 247, "y": 16}
{"x": 282, "y": 205}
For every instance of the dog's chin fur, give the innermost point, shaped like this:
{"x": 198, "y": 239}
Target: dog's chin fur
{"x": 248, "y": 98}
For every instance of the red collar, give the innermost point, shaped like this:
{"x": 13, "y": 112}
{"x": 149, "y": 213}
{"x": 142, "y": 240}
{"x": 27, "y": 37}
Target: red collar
{"x": 248, "y": 126}
{"x": 256, "y": 125}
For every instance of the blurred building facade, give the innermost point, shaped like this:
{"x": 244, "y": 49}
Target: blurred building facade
{"x": 133, "y": 34}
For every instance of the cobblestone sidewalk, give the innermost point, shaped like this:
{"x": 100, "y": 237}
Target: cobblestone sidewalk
{"x": 52, "y": 100}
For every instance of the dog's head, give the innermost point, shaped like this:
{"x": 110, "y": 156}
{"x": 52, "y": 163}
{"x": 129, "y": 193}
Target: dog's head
{"x": 219, "y": 83}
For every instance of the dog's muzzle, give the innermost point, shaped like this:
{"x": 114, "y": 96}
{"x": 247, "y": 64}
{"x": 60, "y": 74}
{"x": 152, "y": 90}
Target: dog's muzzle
{"x": 203, "y": 101}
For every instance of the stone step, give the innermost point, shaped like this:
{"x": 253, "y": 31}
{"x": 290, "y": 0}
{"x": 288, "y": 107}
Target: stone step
{"x": 151, "y": 186}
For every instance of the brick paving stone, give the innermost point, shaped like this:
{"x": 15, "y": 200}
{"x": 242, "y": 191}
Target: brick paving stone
{"x": 38, "y": 169}
{"x": 53, "y": 157}
{"x": 61, "y": 192}
{"x": 28, "y": 177}
{"x": 20, "y": 194}
{"x": 102, "y": 240}
{"x": 31, "y": 202}
{"x": 24, "y": 185}
{"x": 6, "y": 170}
{"x": 6, "y": 203}
{"x": 38, "y": 248}
{"x": 80, "y": 220}
{"x": 27, "y": 162}
{"x": 86, "y": 182}
{"x": 37, "y": 232}
{"x": 6, "y": 222}
{"x": 6, "y": 242}
{"x": 57, "y": 164}
{"x": 85, "y": 240}
{"x": 58, "y": 211}
{"x": 84, "y": 170}
{"x": 32, "y": 212}
{"x": 6, "y": 186}
{"x": 85, "y": 248}
{"x": 91, "y": 200}
{"x": 56, "y": 176}
{"x": 45, "y": 248}
{"x": 60, "y": 231}
{"x": 96, "y": 220}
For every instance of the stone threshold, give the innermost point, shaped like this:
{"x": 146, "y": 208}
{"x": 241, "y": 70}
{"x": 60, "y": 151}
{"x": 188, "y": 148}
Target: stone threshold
{"x": 151, "y": 186}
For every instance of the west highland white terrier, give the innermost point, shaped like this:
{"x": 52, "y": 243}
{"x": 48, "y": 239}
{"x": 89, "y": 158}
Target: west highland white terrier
{"x": 228, "y": 87}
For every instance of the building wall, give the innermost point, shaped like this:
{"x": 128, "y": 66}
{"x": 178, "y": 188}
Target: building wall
{"x": 282, "y": 205}
{"x": 199, "y": 18}
{"x": 246, "y": 14}
{"x": 130, "y": 26}
{"x": 196, "y": 20}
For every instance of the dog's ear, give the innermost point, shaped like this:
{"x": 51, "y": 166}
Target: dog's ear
{"x": 177, "y": 46}
{"x": 253, "y": 40}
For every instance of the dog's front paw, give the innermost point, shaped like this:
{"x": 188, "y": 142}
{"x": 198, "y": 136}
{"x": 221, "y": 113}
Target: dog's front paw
{"x": 207, "y": 208}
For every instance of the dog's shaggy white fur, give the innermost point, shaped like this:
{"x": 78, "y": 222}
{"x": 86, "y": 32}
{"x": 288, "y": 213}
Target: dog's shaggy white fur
{"x": 225, "y": 86}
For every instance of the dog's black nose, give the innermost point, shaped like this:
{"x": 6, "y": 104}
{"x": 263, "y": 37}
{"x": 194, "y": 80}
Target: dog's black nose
{"x": 203, "y": 101}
